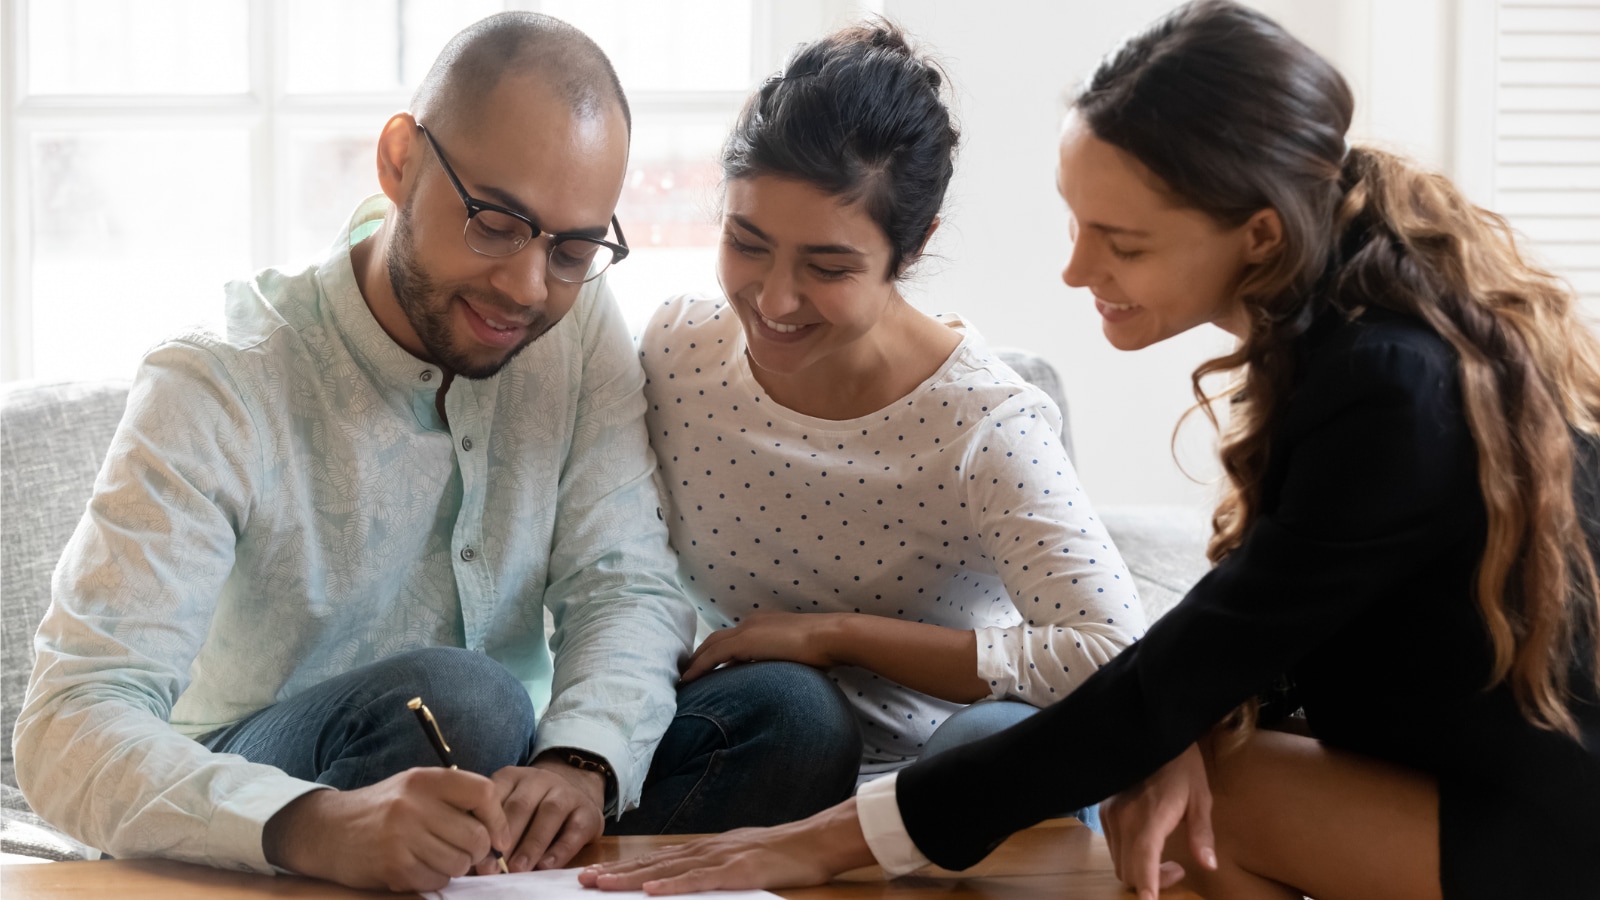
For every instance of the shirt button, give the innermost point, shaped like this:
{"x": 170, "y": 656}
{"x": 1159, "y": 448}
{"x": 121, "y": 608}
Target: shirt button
{"x": 466, "y": 443}
{"x": 427, "y": 375}
{"x": 469, "y": 554}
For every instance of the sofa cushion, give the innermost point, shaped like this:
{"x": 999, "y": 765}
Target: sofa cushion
{"x": 1164, "y": 548}
{"x": 53, "y": 438}
{"x": 23, "y": 833}
{"x": 1037, "y": 371}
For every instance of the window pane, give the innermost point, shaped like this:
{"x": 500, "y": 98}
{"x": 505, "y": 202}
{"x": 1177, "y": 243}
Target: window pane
{"x": 399, "y": 41}
{"x": 668, "y": 211}
{"x": 138, "y": 47}
{"x": 691, "y": 45}
{"x": 329, "y": 173}
{"x": 134, "y": 234}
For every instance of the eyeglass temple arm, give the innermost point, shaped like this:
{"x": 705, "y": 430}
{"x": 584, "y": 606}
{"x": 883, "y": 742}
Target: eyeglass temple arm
{"x": 455, "y": 182}
{"x": 621, "y": 239}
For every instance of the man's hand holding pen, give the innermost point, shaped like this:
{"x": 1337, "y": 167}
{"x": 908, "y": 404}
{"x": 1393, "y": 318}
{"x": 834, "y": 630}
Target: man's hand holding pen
{"x": 413, "y": 831}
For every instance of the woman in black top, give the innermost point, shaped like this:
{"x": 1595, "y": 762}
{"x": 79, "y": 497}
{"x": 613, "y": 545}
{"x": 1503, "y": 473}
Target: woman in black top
{"x": 1407, "y": 552}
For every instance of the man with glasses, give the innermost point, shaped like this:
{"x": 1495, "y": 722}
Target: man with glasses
{"x": 370, "y": 489}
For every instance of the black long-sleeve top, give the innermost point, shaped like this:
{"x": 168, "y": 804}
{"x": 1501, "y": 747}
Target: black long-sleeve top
{"x": 1355, "y": 583}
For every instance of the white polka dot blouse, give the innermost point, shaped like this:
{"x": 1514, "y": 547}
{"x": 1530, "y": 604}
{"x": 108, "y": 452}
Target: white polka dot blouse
{"x": 956, "y": 505}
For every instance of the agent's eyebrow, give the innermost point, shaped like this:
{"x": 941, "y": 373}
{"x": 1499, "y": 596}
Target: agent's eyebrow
{"x": 832, "y": 249}
{"x": 1115, "y": 230}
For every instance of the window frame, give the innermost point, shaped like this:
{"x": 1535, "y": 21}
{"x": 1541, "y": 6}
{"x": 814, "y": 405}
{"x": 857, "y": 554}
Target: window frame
{"x": 272, "y": 117}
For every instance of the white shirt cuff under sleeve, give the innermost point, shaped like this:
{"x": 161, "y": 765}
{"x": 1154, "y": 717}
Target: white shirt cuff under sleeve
{"x": 886, "y": 835}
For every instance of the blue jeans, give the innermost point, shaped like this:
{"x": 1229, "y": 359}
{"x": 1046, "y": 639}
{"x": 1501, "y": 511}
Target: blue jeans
{"x": 982, "y": 719}
{"x": 730, "y": 758}
{"x": 755, "y": 744}
{"x": 355, "y": 730}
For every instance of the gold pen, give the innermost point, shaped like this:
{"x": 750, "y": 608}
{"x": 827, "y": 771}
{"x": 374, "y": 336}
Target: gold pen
{"x": 430, "y": 727}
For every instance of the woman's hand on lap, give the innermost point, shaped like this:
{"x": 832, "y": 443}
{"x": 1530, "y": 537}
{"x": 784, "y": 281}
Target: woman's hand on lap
{"x": 1138, "y": 820}
{"x": 806, "y": 638}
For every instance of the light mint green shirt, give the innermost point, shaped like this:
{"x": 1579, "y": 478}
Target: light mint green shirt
{"x": 282, "y": 504}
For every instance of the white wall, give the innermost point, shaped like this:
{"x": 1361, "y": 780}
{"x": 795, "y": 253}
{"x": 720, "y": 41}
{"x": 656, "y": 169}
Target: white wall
{"x": 1004, "y": 240}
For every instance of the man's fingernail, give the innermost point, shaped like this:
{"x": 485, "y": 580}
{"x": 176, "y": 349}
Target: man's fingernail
{"x": 549, "y": 862}
{"x": 520, "y": 864}
{"x": 1209, "y": 857}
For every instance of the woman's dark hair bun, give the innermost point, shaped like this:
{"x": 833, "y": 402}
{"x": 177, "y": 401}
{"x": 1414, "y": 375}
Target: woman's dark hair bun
{"x": 859, "y": 114}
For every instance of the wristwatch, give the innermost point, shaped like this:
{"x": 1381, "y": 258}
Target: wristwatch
{"x": 588, "y": 762}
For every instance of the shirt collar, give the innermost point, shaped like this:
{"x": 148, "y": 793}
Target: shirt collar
{"x": 386, "y": 361}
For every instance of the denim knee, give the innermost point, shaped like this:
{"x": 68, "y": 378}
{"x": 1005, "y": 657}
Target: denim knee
{"x": 975, "y": 722}
{"x": 801, "y": 704}
{"x": 979, "y": 720}
{"x": 795, "y": 714}
{"x": 482, "y": 709}
{"x": 755, "y": 744}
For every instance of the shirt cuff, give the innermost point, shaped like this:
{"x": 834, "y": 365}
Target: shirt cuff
{"x": 238, "y": 825}
{"x": 996, "y": 666}
{"x": 572, "y": 731}
{"x": 879, "y": 813}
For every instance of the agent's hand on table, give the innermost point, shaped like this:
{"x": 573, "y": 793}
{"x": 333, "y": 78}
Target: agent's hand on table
{"x": 798, "y": 854}
{"x": 409, "y": 832}
{"x": 552, "y": 808}
{"x": 1138, "y": 820}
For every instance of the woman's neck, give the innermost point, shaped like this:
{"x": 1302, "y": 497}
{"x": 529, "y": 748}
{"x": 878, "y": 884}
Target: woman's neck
{"x": 903, "y": 350}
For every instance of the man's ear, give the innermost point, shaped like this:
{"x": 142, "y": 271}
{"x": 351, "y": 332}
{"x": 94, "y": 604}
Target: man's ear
{"x": 1263, "y": 236}
{"x": 399, "y": 156}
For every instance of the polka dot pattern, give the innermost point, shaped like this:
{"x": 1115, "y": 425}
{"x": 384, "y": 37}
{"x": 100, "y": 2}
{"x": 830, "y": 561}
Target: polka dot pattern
{"x": 955, "y": 506}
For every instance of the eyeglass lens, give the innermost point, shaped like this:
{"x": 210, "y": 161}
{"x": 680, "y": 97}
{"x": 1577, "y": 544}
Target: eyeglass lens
{"x": 572, "y": 259}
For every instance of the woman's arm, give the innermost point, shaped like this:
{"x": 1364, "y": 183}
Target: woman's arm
{"x": 935, "y": 660}
{"x": 1033, "y": 524}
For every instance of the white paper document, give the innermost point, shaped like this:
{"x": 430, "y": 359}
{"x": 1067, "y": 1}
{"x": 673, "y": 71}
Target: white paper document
{"x": 553, "y": 884}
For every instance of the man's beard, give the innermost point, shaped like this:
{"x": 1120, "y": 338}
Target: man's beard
{"x": 429, "y": 311}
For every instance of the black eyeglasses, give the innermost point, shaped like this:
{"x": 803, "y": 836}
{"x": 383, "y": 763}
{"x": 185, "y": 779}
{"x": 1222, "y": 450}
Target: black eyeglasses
{"x": 496, "y": 231}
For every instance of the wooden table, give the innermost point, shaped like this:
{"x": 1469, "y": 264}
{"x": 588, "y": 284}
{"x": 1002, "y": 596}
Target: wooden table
{"x": 1058, "y": 860}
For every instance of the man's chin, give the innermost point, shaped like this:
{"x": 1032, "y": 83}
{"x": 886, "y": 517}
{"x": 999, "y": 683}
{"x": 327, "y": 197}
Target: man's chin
{"x": 480, "y": 368}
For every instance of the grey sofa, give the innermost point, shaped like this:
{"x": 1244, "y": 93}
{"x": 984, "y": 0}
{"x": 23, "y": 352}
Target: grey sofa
{"x": 53, "y": 438}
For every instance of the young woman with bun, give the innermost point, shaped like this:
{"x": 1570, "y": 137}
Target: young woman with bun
{"x": 857, "y": 486}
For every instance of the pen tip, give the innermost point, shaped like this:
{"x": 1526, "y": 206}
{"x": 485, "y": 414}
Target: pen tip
{"x": 414, "y": 703}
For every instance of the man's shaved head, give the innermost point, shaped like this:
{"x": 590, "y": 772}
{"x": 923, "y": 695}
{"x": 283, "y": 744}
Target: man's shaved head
{"x": 558, "y": 55}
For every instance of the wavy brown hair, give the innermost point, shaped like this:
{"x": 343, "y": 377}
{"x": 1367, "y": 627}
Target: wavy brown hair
{"x": 1234, "y": 115}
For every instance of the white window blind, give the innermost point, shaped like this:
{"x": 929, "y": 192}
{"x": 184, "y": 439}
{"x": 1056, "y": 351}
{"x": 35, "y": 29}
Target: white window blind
{"x": 1545, "y": 173}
